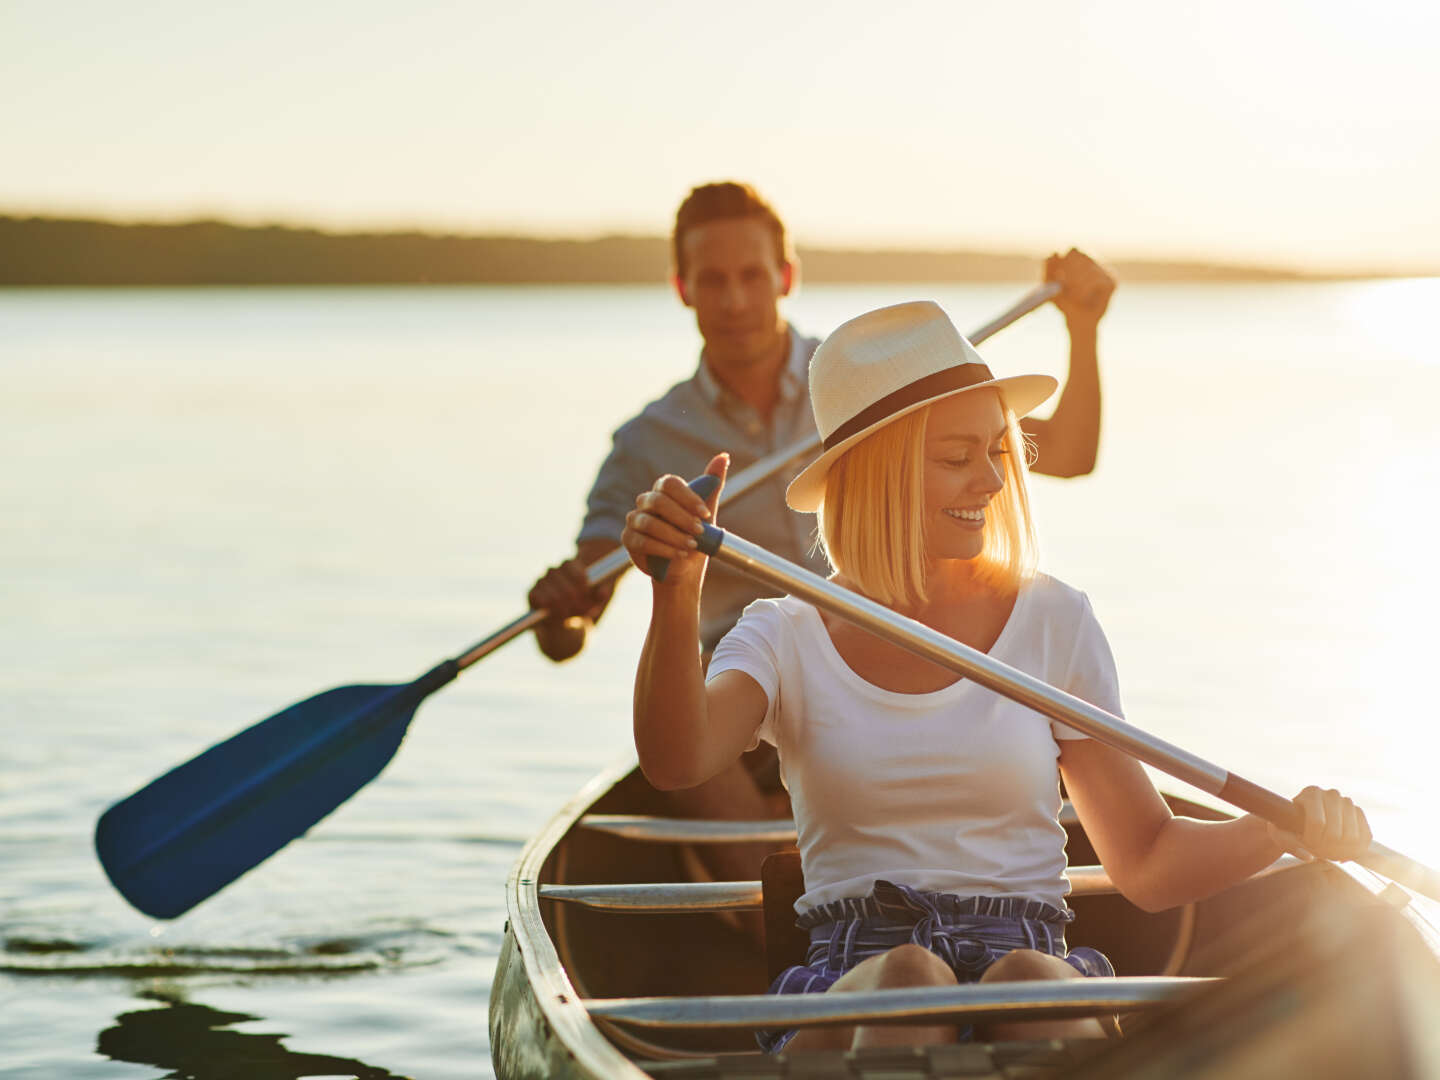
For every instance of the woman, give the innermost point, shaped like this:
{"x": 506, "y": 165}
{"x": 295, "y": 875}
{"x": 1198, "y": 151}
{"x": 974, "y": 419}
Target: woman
{"x": 926, "y": 807}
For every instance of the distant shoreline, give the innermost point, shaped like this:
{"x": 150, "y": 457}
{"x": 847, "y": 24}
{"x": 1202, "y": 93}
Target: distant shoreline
{"x": 39, "y": 251}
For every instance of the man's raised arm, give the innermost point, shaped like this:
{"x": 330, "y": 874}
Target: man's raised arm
{"x": 1067, "y": 443}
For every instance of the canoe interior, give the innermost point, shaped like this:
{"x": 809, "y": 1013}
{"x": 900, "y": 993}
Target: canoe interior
{"x": 614, "y": 955}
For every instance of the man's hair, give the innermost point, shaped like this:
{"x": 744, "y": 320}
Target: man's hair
{"x": 720, "y": 202}
{"x": 872, "y": 523}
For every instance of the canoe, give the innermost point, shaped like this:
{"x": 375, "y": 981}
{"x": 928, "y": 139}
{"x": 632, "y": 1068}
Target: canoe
{"x": 618, "y": 963}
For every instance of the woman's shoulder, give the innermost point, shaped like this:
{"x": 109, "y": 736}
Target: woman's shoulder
{"x": 772, "y": 616}
{"x": 1050, "y": 598}
{"x": 773, "y": 628}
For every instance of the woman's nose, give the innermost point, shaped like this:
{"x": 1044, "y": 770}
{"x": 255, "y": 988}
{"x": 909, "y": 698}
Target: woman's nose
{"x": 992, "y": 474}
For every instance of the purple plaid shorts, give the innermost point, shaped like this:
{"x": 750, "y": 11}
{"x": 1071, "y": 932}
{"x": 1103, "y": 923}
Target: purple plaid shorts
{"x": 969, "y": 933}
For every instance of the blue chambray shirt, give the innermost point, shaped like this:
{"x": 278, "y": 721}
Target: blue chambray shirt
{"x": 679, "y": 433}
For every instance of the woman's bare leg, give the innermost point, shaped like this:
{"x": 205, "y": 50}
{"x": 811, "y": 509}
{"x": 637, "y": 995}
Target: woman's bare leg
{"x": 1024, "y": 965}
{"x": 905, "y": 965}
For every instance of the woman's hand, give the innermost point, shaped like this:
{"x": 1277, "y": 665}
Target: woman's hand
{"x": 665, "y": 522}
{"x": 1335, "y": 828}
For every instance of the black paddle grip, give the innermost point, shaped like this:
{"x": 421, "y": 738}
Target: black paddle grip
{"x": 704, "y": 486}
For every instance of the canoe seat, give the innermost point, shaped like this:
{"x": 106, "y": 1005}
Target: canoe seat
{"x": 654, "y": 829}
{"x": 649, "y": 828}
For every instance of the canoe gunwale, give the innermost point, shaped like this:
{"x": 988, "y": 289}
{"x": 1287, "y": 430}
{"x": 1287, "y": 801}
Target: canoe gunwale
{"x": 555, "y": 997}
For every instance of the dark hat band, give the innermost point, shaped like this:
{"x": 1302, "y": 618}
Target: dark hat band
{"x": 941, "y": 382}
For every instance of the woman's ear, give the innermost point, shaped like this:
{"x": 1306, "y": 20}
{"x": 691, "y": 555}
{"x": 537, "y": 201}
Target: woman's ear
{"x": 679, "y": 283}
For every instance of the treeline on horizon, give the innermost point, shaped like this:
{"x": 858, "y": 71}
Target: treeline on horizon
{"x": 70, "y": 251}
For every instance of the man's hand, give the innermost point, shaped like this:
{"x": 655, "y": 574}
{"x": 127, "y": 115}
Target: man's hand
{"x": 565, "y": 594}
{"x": 1085, "y": 287}
{"x": 571, "y": 605}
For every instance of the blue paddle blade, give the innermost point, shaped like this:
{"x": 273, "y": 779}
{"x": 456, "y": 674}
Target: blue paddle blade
{"x": 188, "y": 834}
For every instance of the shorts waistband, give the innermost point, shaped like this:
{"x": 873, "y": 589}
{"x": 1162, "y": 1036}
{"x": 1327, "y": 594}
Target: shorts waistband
{"x": 901, "y": 904}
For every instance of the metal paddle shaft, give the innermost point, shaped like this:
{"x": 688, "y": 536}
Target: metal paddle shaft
{"x": 1016, "y": 685}
{"x": 748, "y": 479}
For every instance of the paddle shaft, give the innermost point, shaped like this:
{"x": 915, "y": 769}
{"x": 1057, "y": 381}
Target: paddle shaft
{"x": 922, "y": 640}
{"x": 614, "y": 564}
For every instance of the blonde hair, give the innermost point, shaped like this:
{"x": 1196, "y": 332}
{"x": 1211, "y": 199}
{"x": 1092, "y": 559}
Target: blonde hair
{"x": 872, "y": 523}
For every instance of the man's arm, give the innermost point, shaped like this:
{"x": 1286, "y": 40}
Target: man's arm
{"x": 574, "y": 607}
{"x": 1067, "y": 443}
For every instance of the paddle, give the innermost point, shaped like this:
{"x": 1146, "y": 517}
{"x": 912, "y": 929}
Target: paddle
{"x": 189, "y": 833}
{"x": 756, "y": 562}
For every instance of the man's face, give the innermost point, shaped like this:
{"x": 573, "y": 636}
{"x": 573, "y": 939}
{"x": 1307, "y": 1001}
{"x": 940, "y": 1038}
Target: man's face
{"x": 734, "y": 279}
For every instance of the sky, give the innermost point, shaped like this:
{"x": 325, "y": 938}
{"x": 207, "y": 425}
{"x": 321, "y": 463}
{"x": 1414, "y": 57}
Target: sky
{"x": 1292, "y": 133}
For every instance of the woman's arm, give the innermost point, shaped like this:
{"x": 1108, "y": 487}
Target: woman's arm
{"x": 1158, "y": 860}
{"x": 685, "y": 731}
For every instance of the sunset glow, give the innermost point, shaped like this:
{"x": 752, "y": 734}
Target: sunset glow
{"x": 1298, "y": 134}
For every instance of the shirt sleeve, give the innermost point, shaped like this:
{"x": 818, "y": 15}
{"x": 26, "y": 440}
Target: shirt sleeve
{"x": 752, "y": 647}
{"x": 623, "y": 475}
{"x": 1090, "y": 674}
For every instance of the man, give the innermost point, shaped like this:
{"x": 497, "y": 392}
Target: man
{"x": 732, "y": 266}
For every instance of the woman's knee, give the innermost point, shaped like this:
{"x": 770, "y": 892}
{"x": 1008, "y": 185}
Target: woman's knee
{"x": 912, "y": 965}
{"x": 1027, "y": 964}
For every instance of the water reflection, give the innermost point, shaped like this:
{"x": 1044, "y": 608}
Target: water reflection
{"x": 188, "y": 1040}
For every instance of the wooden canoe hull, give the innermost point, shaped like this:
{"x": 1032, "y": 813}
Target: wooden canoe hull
{"x": 555, "y": 956}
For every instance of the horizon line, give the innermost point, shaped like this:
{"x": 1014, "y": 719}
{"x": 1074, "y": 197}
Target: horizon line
{"x": 1239, "y": 265}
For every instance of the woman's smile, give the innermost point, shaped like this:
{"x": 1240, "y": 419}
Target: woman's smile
{"x": 967, "y": 517}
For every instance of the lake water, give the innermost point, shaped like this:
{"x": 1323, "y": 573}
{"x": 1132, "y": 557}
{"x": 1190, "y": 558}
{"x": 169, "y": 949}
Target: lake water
{"x": 214, "y": 503}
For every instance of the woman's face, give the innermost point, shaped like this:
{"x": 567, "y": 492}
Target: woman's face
{"x": 964, "y": 469}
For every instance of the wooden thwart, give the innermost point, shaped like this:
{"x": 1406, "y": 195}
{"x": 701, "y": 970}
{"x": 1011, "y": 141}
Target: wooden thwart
{"x": 677, "y": 897}
{"x": 1037, "y": 1000}
{"x": 661, "y": 898}
{"x": 667, "y": 830}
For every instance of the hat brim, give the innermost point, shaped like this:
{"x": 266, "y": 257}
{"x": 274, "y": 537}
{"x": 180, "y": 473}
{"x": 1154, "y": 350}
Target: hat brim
{"x": 1021, "y": 393}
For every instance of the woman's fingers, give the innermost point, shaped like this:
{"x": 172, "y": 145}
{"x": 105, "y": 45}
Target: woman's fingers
{"x": 657, "y": 528}
{"x": 667, "y": 518}
{"x": 1312, "y": 804}
{"x": 682, "y": 516}
{"x": 663, "y": 523}
{"x": 1350, "y": 825}
{"x": 678, "y": 493}
{"x": 642, "y": 547}
{"x": 1335, "y": 828}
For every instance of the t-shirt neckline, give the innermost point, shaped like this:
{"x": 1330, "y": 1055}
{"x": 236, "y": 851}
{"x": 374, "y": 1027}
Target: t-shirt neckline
{"x": 816, "y": 626}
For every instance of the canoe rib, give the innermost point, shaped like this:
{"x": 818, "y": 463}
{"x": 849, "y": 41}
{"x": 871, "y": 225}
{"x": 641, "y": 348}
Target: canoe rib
{"x": 1014, "y": 1001}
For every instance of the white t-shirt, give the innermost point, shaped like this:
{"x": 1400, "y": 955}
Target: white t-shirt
{"x": 953, "y": 791}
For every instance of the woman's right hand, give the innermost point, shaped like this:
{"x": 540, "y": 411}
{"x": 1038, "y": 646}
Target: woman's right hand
{"x": 665, "y": 522}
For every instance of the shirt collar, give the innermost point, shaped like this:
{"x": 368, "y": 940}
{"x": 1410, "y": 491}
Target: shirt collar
{"x": 792, "y": 375}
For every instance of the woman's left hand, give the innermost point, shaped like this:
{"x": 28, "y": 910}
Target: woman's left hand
{"x": 1335, "y": 828}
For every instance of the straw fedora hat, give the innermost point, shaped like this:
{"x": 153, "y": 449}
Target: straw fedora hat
{"x": 885, "y": 364}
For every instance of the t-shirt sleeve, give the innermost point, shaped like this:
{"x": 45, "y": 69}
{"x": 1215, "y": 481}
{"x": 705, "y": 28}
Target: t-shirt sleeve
{"x": 1090, "y": 674}
{"x": 623, "y": 475}
{"x": 753, "y": 646}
